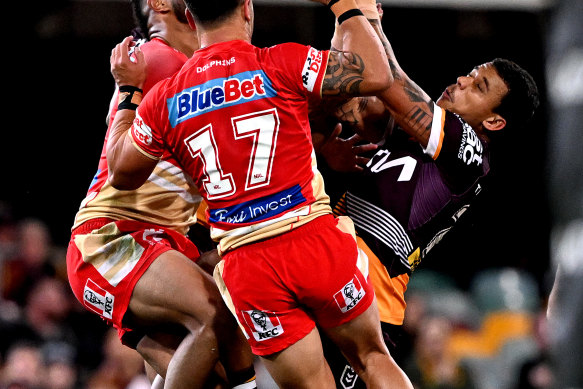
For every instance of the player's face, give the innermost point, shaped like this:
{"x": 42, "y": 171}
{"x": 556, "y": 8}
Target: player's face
{"x": 475, "y": 96}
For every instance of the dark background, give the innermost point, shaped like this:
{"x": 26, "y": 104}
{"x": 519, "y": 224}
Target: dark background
{"x": 59, "y": 88}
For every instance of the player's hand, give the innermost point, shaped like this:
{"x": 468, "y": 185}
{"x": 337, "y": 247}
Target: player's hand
{"x": 128, "y": 65}
{"x": 344, "y": 155}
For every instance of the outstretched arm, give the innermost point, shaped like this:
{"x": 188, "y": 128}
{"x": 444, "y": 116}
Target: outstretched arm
{"x": 128, "y": 167}
{"x": 409, "y": 105}
{"x": 360, "y": 68}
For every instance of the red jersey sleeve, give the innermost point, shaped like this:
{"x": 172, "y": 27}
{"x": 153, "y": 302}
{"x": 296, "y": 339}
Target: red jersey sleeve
{"x": 301, "y": 68}
{"x": 147, "y": 129}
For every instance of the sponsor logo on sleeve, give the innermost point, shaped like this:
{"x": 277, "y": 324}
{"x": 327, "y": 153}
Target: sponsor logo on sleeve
{"x": 141, "y": 132}
{"x": 98, "y": 299}
{"x": 312, "y": 68}
{"x": 471, "y": 148}
{"x": 263, "y": 325}
{"x": 349, "y": 295}
{"x": 219, "y": 93}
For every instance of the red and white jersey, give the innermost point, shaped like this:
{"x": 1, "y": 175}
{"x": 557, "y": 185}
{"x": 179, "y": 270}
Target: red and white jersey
{"x": 169, "y": 197}
{"x": 236, "y": 118}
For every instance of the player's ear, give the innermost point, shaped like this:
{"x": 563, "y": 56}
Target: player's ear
{"x": 494, "y": 123}
{"x": 248, "y": 10}
{"x": 159, "y": 5}
{"x": 190, "y": 19}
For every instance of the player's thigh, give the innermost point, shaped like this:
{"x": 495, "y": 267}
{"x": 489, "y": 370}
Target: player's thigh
{"x": 301, "y": 365}
{"x": 175, "y": 290}
{"x": 359, "y": 337}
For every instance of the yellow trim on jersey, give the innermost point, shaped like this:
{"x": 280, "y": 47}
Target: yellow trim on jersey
{"x": 142, "y": 151}
{"x": 415, "y": 258}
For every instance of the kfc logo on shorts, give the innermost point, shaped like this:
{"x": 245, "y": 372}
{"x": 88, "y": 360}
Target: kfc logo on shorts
{"x": 312, "y": 68}
{"x": 263, "y": 325}
{"x": 152, "y": 236}
{"x": 98, "y": 299}
{"x": 349, "y": 295}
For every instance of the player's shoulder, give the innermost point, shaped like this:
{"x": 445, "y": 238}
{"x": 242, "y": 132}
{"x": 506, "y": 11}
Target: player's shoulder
{"x": 287, "y": 49}
{"x": 453, "y": 120}
{"x": 455, "y": 127}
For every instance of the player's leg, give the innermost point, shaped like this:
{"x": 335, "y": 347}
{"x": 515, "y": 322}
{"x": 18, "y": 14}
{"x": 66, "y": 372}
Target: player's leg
{"x": 159, "y": 352}
{"x": 343, "y": 373}
{"x": 156, "y": 380}
{"x": 362, "y": 343}
{"x": 175, "y": 290}
{"x": 301, "y": 365}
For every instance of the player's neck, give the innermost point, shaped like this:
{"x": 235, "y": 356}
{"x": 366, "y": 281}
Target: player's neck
{"x": 180, "y": 37}
{"x": 224, "y": 33}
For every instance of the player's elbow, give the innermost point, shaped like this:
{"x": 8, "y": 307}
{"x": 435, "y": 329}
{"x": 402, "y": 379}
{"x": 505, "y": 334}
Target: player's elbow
{"x": 378, "y": 82}
{"x": 121, "y": 181}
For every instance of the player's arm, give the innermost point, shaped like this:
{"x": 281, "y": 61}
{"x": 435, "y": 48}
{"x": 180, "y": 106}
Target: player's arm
{"x": 128, "y": 167}
{"x": 360, "y": 68}
{"x": 365, "y": 115}
{"x": 409, "y": 105}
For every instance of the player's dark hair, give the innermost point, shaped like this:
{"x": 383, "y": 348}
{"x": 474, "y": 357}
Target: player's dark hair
{"x": 208, "y": 12}
{"x": 518, "y": 105}
{"x": 140, "y": 20}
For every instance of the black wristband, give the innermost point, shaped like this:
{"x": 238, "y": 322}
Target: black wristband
{"x": 348, "y": 14}
{"x": 129, "y": 97}
{"x": 332, "y": 2}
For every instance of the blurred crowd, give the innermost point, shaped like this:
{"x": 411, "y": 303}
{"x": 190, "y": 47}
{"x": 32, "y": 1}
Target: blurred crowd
{"x": 47, "y": 339}
{"x": 490, "y": 336}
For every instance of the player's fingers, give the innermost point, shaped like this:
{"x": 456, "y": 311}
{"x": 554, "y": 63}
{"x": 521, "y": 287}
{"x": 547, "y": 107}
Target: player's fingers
{"x": 139, "y": 55}
{"x": 354, "y": 139}
{"x": 361, "y": 161}
{"x": 337, "y": 130}
{"x": 335, "y": 133}
{"x": 364, "y": 148}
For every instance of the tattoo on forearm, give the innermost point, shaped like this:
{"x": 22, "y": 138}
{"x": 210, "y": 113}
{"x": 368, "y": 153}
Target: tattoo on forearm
{"x": 343, "y": 74}
{"x": 346, "y": 115}
{"x": 415, "y": 94}
{"x": 394, "y": 70}
{"x": 362, "y": 103}
{"x": 376, "y": 25}
{"x": 420, "y": 118}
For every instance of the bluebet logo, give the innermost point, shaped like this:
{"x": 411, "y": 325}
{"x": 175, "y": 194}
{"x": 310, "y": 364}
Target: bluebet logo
{"x": 219, "y": 93}
{"x": 259, "y": 209}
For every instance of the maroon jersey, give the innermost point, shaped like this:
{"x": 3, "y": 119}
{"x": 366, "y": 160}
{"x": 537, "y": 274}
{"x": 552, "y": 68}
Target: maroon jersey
{"x": 409, "y": 197}
{"x": 235, "y": 117}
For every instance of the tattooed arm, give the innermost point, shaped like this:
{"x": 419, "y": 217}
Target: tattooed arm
{"x": 361, "y": 68}
{"x": 409, "y": 105}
